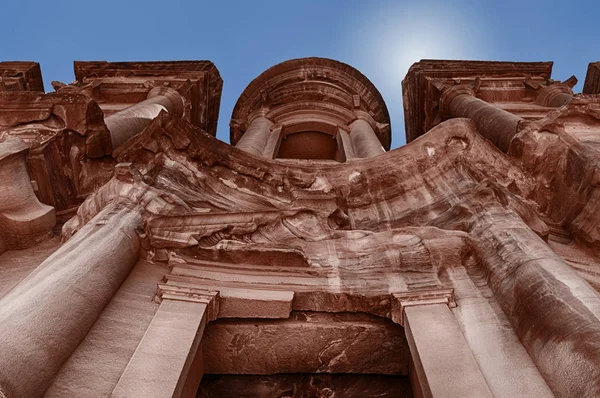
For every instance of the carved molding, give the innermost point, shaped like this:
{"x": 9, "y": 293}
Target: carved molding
{"x": 419, "y": 297}
{"x": 190, "y": 294}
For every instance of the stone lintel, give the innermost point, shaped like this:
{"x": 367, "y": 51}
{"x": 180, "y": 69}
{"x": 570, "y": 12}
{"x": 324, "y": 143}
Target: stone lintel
{"x": 307, "y": 342}
{"x": 251, "y": 303}
{"x": 400, "y": 301}
{"x": 232, "y": 302}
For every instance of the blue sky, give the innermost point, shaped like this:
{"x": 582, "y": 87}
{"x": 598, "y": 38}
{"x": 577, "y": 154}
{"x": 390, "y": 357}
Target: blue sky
{"x": 243, "y": 38}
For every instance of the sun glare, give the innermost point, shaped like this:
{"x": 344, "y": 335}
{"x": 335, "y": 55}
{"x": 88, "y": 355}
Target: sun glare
{"x": 401, "y": 36}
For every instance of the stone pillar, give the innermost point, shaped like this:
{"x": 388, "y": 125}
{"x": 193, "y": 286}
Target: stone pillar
{"x": 132, "y": 120}
{"x": 168, "y": 361}
{"x": 442, "y": 362}
{"x": 364, "y": 140}
{"x": 46, "y": 316}
{"x": 495, "y": 124}
{"x": 344, "y": 142}
{"x": 553, "y": 310}
{"x": 256, "y": 137}
{"x": 23, "y": 219}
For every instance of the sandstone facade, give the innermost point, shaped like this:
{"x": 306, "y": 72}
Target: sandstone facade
{"x": 142, "y": 257}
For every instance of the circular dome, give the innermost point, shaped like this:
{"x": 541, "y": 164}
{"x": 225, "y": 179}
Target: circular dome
{"x": 312, "y": 88}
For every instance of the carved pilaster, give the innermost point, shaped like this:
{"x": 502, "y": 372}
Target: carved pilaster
{"x": 168, "y": 360}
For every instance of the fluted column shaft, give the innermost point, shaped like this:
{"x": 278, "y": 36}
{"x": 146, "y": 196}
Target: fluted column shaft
{"x": 256, "y": 137}
{"x": 132, "y": 120}
{"x": 364, "y": 140}
{"x": 46, "y": 316}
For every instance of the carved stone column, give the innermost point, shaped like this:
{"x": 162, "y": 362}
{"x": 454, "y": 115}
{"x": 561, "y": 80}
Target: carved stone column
{"x": 130, "y": 121}
{"x": 256, "y": 137}
{"x": 442, "y": 362}
{"x": 168, "y": 361}
{"x": 495, "y": 124}
{"x": 364, "y": 140}
{"x": 555, "y": 95}
{"x": 46, "y": 316}
{"x": 23, "y": 219}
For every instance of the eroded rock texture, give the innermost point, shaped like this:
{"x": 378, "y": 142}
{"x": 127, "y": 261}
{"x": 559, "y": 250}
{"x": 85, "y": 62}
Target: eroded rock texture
{"x": 305, "y": 260}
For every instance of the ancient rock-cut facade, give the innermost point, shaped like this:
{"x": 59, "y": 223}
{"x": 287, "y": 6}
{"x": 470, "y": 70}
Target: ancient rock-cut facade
{"x": 142, "y": 257}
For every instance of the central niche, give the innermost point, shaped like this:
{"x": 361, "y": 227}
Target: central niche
{"x": 310, "y": 140}
{"x": 309, "y": 145}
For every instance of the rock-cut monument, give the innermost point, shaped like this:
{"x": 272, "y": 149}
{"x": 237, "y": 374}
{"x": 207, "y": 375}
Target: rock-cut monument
{"x": 142, "y": 257}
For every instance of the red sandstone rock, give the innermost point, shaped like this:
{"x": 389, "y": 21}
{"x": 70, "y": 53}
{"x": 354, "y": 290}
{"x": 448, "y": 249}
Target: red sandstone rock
{"x": 305, "y": 254}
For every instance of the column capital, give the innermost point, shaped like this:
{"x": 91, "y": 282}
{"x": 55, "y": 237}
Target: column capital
{"x": 259, "y": 113}
{"x": 190, "y": 294}
{"x": 419, "y": 297}
{"x": 448, "y": 93}
{"x": 362, "y": 115}
{"x": 173, "y": 95}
